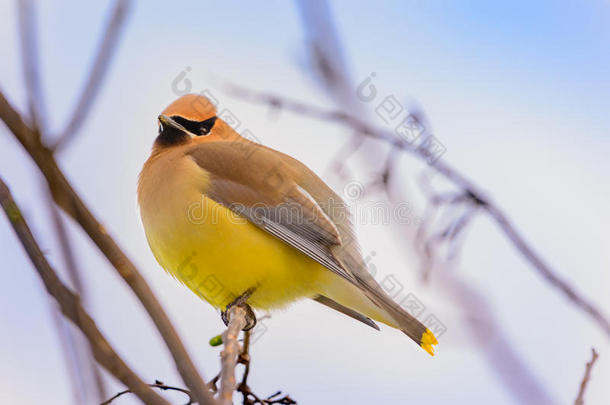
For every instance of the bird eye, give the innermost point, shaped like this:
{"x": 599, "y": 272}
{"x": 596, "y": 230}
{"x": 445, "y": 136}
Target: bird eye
{"x": 206, "y": 126}
{"x": 199, "y": 128}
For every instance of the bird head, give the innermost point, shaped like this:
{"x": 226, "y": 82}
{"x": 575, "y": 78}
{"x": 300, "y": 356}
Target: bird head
{"x": 189, "y": 117}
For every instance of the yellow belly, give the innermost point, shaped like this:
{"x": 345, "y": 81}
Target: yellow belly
{"x": 220, "y": 255}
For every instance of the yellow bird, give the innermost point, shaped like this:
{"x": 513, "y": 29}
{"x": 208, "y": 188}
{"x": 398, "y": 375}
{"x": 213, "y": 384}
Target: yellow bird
{"x": 238, "y": 222}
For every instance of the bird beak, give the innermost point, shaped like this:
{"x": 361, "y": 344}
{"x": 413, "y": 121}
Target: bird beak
{"x": 168, "y": 122}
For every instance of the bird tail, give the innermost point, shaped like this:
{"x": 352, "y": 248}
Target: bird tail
{"x": 403, "y": 320}
{"x": 368, "y": 299}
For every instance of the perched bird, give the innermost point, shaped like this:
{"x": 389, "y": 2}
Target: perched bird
{"x": 238, "y": 222}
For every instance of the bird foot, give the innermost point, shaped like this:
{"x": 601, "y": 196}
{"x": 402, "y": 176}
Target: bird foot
{"x": 241, "y": 302}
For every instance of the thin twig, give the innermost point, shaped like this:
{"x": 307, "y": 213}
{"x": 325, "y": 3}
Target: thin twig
{"x": 338, "y": 166}
{"x": 248, "y": 396}
{"x": 29, "y": 56}
{"x": 157, "y": 384}
{"x": 429, "y": 242}
{"x": 450, "y": 173}
{"x": 229, "y": 356}
{"x": 98, "y": 71}
{"x": 71, "y": 307}
{"x": 65, "y": 197}
{"x": 244, "y": 357}
{"x": 585, "y": 380}
{"x": 212, "y": 384}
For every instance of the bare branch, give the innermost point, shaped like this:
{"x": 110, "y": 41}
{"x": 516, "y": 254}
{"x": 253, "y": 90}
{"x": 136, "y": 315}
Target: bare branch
{"x": 65, "y": 197}
{"x": 71, "y": 307}
{"x": 229, "y": 356}
{"x": 585, "y": 380}
{"x": 98, "y": 71}
{"x": 468, "y": 188}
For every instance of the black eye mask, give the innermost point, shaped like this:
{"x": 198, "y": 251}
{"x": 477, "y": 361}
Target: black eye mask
{"x": 199, "y": 128}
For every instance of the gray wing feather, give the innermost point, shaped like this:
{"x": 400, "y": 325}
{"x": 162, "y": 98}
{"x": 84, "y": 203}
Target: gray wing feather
{"x": 345, "y": 310}
{"x": 305, "y": 239}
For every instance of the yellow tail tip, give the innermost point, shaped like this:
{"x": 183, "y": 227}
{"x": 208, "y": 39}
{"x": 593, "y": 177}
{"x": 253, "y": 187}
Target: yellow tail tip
{"x": 428, "y": 341}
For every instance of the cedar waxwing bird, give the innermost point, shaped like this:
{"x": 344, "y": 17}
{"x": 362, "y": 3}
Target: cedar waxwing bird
{"x": 242, "y": 224}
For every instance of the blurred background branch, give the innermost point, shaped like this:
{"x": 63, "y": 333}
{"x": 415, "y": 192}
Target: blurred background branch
{"x": 29, "y": 56}
{"x": 468, "y": 194}
{"x": 96, "y": 76}
{"x": 86, "y": 377}
{"x": 70, "y": 305}
{"x": 64, "y": 195}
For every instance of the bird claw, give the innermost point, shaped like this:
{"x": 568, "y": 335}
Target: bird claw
{"x": 241, "y": 302}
